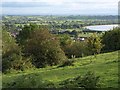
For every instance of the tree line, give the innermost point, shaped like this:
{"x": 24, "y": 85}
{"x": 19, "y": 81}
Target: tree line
{"x": 35, "y": 47}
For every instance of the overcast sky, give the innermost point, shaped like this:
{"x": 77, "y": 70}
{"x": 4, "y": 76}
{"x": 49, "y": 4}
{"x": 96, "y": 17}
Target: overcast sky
{"x": 60, "y": 7}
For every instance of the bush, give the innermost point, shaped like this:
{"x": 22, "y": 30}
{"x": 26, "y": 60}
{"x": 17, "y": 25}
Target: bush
{"x": 111, "y": 40}
{"x": 16, "y": 62}
{"x": 89, "y": 80}
{"x": 67, "y": 63}
{"x": 11, "y": 54}
{"x": 28, "y": 81}
{"x": 76, "y": 50}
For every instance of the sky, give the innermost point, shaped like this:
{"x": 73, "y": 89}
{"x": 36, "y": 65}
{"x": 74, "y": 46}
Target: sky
{"x": 59, "y": 7}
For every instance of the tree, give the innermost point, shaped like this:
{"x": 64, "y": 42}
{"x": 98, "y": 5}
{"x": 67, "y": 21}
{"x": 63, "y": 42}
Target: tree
{"x": 65, "y": 40}
{"x": 25, "y": 33}
{"x": 41, "y": 45}
{"x": 111, "y": 40}
{"x": 94, "y": 44}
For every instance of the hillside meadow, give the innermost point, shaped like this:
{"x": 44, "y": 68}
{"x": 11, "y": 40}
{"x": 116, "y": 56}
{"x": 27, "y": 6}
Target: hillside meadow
{"x": 103, "y": 65}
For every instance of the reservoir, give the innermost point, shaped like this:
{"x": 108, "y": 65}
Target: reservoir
{"x": 101, "y": 27}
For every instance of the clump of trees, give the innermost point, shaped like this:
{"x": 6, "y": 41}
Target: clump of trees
{"x": 111, "y": 40}
{"x": 34, "y": 46}
{"x": 76, "y": 49}
{"x": 43, "y": 47}
{"x": 70, "y": 47}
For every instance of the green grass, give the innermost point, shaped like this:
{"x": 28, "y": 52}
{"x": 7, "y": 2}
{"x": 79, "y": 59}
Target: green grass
{"x": 104, "y": 65}
{"x": 0, "y": 57}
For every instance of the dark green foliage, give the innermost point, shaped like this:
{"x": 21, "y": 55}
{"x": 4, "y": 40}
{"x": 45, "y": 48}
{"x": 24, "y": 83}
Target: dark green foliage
{"x": 67, "y": 63}
{"x": 25, "y": 33}
{"x": 79, "y": 49}
{"x": 11, "y": 54}
{"x": 76, "y": 49}
{"x": 16, "y": 62}
{"x": 9, "y": 50}
{"x": 29, "y": 81}
{"x": 89, "y": 80}
{"x": 65, "y": 40}
{"x": 34, "y": 80}
{"x": 73, "y": 49}
{"x": 111, "y": 40}
{"x": 42, "y": 46}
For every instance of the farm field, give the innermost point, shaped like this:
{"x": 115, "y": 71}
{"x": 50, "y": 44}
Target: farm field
{"x": 104, "y": 65}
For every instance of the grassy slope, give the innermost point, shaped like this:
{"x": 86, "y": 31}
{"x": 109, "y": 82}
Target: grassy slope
{"x": 104, "y": 65}
{"x": 0, "y": 56}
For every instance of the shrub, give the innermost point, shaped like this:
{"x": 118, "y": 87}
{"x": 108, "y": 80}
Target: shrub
{"x": 67, "y": 63}
{"x": 11, "y": 54}
{"x": 28, "y": 81}
{"x": 89, "y": 80}
{"x": 76, "y": 49}
{"x": 9, "y": 48}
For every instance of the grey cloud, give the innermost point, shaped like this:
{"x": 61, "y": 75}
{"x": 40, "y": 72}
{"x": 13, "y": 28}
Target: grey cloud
{"x": 25, "y": 4}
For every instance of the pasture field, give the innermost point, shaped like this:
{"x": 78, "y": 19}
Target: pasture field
{"x": 104, "y": 65}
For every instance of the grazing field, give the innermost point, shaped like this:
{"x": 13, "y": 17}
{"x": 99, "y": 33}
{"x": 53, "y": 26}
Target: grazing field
{"x": 0, "y": 70}
{"x": 103, "y": 65}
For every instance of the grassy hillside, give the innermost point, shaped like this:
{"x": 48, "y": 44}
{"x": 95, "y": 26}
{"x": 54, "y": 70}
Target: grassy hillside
{"x": 104, "y": 65}
{"x": 0, "y": 57}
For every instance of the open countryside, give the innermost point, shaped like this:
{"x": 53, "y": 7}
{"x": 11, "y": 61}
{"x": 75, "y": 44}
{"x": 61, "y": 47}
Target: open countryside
{"x": 58, "y": 44}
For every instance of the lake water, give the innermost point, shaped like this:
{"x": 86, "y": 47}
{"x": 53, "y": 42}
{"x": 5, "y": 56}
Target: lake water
{"x": 101, "y": 27}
